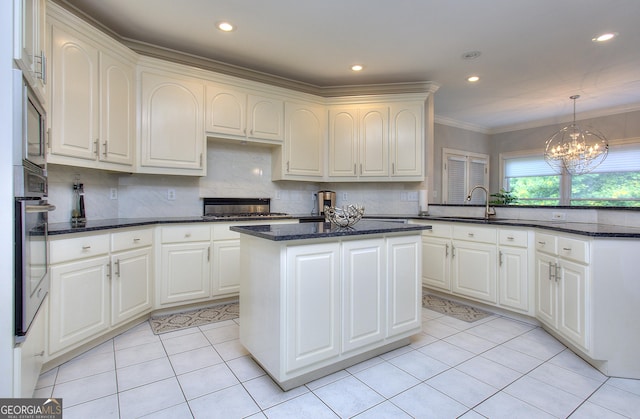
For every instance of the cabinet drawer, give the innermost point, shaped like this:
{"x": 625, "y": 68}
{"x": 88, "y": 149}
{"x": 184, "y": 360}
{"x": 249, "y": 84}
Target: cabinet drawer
{"x": 186, "y": 233}
{"x": 573, "y": 249}
{"x": 547, "y": 243}
{"x": 222, "y": 232}
{"x": 476, "y": 234}
{"x": 64, "y": 250}
{"x": 132, "y": 239}
{"x": 516, "y": 238}
{"x": 438, "y": 230}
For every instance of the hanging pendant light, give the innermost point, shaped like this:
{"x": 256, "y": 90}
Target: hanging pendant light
{"x": 576, "y": 150}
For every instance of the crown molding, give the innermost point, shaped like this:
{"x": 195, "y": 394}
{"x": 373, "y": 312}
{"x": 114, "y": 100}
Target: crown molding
{"x": 450, "y": 122}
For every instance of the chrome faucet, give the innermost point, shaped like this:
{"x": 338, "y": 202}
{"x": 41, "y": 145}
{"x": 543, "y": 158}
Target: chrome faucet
{"x": 487, "y": 210}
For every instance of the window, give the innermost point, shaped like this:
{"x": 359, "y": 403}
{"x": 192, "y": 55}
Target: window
{"x": 616, "y": 182}
{"x": 461, "y": 171}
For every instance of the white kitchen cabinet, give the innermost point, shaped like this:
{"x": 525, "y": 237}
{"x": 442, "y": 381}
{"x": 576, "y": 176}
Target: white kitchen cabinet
{"x": 359, "y": 141}
{"x": 436, "y": 256}
{"x": 312, "y": 331}
{"x": 404, "y": 292}
{"x": 473, "y": 256}
{"x": 563, "y": 287}
{"x": 363, "y": 293}
{"x": 302, "y": 156}
{"x": 132, "y": 274}
{"x": 172, "y": 139}
{"x": 406, "y": 140}
{"x": 185, "y": 264}
{"x": 79, "y": 302}
{"x": 29, "y": 355}
{"x": 226, "y": 267}
{"x": 93, "y": 103}
{"x": 30, "y": 43}
{"x": 513, "y": 270}
{"x": 234, "y": 113}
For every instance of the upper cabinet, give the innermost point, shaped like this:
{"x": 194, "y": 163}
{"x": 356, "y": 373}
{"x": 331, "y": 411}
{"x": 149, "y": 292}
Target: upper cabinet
{"x": 406, "y": 139}
{"x": 302, "y": 156}
{"x": 359, "y": 142}
{"x": 236, "y": 114}
{"x": 30, "y": 42}
{"x": 92, "y": 102}
{"x": 172, "y": 128}
{"x": 377, "y": 142}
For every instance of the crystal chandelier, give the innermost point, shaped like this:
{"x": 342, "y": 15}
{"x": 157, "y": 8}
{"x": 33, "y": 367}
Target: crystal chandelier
{"x": 576, "y": 150}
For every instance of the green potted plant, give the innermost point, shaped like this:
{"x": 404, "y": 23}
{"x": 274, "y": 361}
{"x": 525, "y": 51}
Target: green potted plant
{"x": 503, "y": 198}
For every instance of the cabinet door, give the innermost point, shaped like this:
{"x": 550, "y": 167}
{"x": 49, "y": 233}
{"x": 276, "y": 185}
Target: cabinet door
{"x": 407, "y": 139}
{"x": 343, "y": 142}
{"x": 185, "y": 272}
{"x": 573, "y": 290}
{"x": 30, "y": 41}
{"x": 75, "y": 97}
{"x": 404, "y": 290}
{"x": 131, "y": 284}
{"x": 117, "y": 122}
{"x": 474, "y": 270}
{"x": 436, "y": 263}
{"x": 512, "y": 278}
{"x": 226, "y": 267}
{"x": 78, "y": 302}
{"x": 265, "y": 118}
{"x": 363, "y": 293}
{"x": 374, "y": 142}
{"x": 172, "y": 124}
{"x": 546, "y": 304}
{"x": 29, "y": 355}
{"x": 312, "y": 304}
{"x": 226, "y": 110}
{"x": 304, "y": 140}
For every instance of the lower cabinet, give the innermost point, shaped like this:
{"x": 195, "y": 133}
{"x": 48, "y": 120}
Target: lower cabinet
{"x": 473, "y": 270}
{"x": 313, "y": 306}
{"x": 29, "y": 355}
{"x": 226, "y": 267}
{"x": 131, "y": 284}
{"x": 563, "y": 287}
{"x": 79, "y": 302}
{"x": 185, "y": 263}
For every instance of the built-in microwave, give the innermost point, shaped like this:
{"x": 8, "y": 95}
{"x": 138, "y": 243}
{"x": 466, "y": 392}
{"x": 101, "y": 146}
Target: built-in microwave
{"x": 30, "y": 124}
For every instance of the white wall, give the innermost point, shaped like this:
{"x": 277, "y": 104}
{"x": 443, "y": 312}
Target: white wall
{"x": 6, "y": 200}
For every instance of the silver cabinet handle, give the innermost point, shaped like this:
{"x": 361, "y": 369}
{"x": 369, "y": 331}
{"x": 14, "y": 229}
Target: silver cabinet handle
{"x": 104, "y": 153}
{"x": 550, "y": 272}
{"x": 470, "y": 234}
{"x": 542, "y": 243}
{"x": 109, "y": 270}
{"x": 96, "y": 146}
{"x": 136, "y": 240}
{"x": 509, "y": 238}
{"x": 208, "y": 253}
{"x": 117, "y": 263}
{"x": 39, "y": 208}
{"x": 453, "y": 251}
{"x": 355, "y": 172}
{"x": 86, "y": 247}
{"x": 187, "y": 235}
{"x": 446, "y": 250}
{"x": 557, "y": 276}
{"x": 500, "y": 258}
{"x": 568, "y": 249}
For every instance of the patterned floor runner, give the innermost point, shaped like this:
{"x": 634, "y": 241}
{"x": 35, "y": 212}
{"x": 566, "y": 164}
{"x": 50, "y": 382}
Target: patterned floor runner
{"x": 177, "y": 321}
{"x": 453, "y": 309}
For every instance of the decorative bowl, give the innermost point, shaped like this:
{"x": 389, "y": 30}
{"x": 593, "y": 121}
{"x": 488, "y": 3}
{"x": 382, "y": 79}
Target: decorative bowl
{"x": 345, "y": 216}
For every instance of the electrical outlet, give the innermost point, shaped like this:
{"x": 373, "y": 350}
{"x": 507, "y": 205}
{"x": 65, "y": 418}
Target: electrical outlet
{"x": 277, "y": 195}
{"x": 345, "y": 196}
{"x": 403, "y": 196}
{"x": 412, "y": 196}
{"x": 113, "y": 193}
{"x": 171, "y": 194}
{"x": 558, "y": 216}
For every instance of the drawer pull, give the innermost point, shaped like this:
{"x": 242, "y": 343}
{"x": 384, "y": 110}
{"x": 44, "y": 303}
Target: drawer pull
{"x": 136, "y": 240}
{"x": 542, "y": 243}
{"x": 187, "y": 235}
{"x": 510, "y": 238}
{"x": 568, "y": 249}
{"x": 470, "y": 234}
{"x": 86, "y": 247}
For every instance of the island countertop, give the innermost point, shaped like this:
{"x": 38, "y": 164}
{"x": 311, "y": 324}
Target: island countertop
{"x": 318, "y": 230}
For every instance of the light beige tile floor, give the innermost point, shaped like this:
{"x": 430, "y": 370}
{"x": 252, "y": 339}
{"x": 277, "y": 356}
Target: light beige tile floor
{"x": 495, "y": 368}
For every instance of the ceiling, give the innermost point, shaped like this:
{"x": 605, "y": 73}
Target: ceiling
{"x": 534, "y": 53}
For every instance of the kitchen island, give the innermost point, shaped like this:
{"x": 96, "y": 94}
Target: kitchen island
{"x": 316, "y": 298}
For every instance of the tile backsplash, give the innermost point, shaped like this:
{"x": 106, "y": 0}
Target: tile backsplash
{"x": 234, "y": 170}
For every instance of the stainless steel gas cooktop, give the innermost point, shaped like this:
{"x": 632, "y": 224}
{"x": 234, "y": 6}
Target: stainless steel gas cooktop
{"x": 239, "y": 208}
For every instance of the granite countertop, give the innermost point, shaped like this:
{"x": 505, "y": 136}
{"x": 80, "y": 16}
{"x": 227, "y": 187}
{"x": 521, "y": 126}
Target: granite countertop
{"x": 320, "y": 230}
{"x": 585, "y": 229}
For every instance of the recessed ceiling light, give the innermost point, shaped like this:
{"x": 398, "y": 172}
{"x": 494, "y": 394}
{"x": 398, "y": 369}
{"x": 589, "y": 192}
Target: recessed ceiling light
{"x": 604, "y": 37}
{"x": 225, "y": 26}
{"x": 473, "y": 79}
{"x": 357, "y": 67}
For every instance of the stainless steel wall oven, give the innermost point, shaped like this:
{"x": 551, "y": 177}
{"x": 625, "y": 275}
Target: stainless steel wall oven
{"x": 31, "y": 249}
